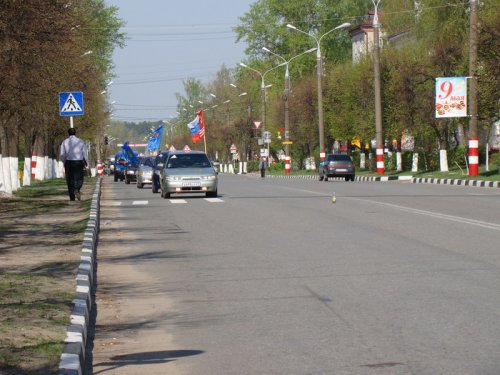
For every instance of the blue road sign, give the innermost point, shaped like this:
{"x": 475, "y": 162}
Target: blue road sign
{"x": 71, "y": 103}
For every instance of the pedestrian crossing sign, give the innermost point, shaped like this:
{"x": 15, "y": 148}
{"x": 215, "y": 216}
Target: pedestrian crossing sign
{"x": 71, "y": 103}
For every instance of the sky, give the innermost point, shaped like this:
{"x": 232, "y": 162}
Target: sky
{"x": 167, "y": 42}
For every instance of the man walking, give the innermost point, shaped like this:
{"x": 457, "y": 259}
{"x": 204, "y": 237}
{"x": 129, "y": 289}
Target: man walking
{"x": 73, "y": 154}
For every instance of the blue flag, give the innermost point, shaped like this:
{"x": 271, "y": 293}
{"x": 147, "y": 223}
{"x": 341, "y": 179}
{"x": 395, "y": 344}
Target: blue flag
{"x": 131, "y": 154}
{"x": 155, "y": 140}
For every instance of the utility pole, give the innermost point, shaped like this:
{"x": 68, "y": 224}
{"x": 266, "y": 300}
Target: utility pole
{"x": 287, "y": 122}
{"x": 473, "y": 136}
{"x": 378, "y": 101}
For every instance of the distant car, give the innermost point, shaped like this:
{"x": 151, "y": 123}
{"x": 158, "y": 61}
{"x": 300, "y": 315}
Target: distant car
{"x": 158, "y": 163}
{"x": 130, "y": 172}
{"x": 188, "y": 172}
{"x": 119, "y": 169}
{"x": 337, "y": 165}
{"x": 145, "y": 172}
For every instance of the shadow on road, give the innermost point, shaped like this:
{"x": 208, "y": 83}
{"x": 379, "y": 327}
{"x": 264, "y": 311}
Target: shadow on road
{"x": 145, "y": 358}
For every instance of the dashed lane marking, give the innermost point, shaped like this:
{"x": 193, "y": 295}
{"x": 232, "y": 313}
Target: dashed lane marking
{"x": 214, "y": 200}
{"x": 140, "y": 203}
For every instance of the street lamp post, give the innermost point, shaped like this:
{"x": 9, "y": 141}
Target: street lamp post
{"x": 285, "y": 98}
{"x": 319, "y": 72}
{"x": 263, "y": 94}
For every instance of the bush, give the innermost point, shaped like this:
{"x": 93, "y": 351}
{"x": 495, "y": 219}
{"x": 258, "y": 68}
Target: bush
{"x": 456, "y": 156}
{"x": 253, "y": 166}
{"x": 277, "y": 167}
{"x": 494, "y": 160}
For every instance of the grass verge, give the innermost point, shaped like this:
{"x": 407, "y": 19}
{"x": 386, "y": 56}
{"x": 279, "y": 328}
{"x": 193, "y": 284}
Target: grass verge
{"x": 41, "y": 233}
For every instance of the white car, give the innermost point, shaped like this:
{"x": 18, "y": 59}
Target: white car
{"x": 188, "y": 172}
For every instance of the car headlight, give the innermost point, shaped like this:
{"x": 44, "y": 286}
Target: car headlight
{"x": 208, "y": 178}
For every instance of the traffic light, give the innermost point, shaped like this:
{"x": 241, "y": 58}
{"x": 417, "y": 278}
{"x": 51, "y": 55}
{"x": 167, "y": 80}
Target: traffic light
{"x": 106, "y": 140}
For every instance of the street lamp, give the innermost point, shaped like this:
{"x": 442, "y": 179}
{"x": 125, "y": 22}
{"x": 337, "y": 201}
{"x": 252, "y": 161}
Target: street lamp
{"x": 263, "y": 93}
{"x": 285, "y": 98}
{"x": 319, "y": 70}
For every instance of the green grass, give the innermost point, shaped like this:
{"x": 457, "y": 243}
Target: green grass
{"x": 76, "y": 227}
{"x": 35, "y": 305}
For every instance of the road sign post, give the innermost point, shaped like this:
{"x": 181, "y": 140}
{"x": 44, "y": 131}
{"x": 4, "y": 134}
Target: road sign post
{"x": 71, "y": 104}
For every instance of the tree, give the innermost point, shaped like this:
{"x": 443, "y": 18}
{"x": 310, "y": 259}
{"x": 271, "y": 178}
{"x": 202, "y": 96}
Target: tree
{"x": 43, "y": 53}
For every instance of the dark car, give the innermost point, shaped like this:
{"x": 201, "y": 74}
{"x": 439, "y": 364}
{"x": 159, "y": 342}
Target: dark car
{"x": 337, "y": 165}
{"x": 119, "y": 168}
{"x": 158, "y": 163}
{"x": 130, "y": 172}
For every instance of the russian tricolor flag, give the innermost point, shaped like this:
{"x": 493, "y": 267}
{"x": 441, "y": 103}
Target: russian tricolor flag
{"x": 197, "y": 127}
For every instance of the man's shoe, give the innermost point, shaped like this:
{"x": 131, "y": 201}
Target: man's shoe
{"x": 78, "y": 195}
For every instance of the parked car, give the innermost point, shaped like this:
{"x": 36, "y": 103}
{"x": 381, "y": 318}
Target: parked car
{"x": 188, "y": 172}
{"x": 337, "y": 165}
{"x": 145, "y": 172}
{"x": 158, "y": 163}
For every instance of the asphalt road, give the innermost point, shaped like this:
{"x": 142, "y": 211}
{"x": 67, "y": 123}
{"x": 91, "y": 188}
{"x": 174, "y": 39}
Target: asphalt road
{"x": 274, "y": 278}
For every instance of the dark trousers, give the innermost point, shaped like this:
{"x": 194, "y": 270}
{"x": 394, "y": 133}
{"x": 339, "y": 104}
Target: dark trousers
{"x": 74, "y": 176}
{"x": 262, "y": 172}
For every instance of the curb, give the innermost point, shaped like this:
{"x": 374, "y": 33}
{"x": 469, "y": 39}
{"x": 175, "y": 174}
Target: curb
{"x": 448, "y": 181}
{"x": 75, "y": 351}
{"x": 415, "y": 180}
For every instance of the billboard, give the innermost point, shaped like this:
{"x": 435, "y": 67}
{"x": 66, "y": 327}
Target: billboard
{"x": 451, "y": 97}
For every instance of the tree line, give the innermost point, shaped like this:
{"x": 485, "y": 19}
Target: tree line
{"x": 435, "y": 44}
{"x": 48, "y": 47}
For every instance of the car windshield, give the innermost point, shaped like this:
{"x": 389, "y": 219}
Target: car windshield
{"x": 339, "y": 158}
{"x": 147, "y": 161}
{"x": 188, "y": 161}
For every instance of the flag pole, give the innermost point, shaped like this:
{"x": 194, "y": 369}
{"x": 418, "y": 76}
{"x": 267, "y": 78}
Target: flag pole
{"x": 205, "y": 129}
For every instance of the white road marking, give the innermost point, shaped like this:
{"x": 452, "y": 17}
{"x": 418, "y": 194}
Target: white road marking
{"x": 438, "y": 215}
{"x": 214, "y": 200}
{"x": 142, "y": 203}
{"x": 177, "y": 201}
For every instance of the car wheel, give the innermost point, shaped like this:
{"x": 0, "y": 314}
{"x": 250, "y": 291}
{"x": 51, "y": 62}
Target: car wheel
{"x": 127, "y": 181}
{"x": 321, "y": 177}
{"x": 211, "y": 194}
{"x": 165, "y": 195}
{"x": 347, "y": 178}
{"x": 115, "y": 177}
{"x": 140, "y": 186}
{"x": 326, "y": 178}
{"x": 352, "y": 177}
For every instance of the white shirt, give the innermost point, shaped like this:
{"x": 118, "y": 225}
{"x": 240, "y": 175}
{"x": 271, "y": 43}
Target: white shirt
{"x": 73, "y": 148}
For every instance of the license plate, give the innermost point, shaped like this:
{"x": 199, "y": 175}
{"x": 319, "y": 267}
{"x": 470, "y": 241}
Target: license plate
{"x": 341, "y": 170}
{"x": 191, "y": 184}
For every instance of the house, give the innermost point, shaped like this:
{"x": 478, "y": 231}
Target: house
{"x": 362, "y": 37}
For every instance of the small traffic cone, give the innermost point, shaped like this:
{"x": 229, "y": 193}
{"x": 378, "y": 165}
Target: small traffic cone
{"x": 334, "y": 198}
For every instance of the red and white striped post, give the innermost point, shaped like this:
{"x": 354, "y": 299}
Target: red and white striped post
{"x": 322, "y": 155}
{"x": 33, "y": 166}
{"x": 380, "y": 161}
{"x": 473, "y": 157}
{"x": 100, "y": 171}
{"x": 287, "y": 164}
